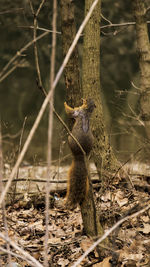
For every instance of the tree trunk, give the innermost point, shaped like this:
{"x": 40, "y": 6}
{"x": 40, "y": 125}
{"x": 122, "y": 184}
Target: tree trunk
{"x": 71, "y": 73}
{"x": 143, "y": 49}
{"x": 91, "y": 222}
{"x": 102, "y": 152}
{"x": 90, "y": 219}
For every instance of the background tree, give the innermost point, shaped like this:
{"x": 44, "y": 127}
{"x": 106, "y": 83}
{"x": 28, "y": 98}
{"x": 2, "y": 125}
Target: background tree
{"x": 143, "y": 49}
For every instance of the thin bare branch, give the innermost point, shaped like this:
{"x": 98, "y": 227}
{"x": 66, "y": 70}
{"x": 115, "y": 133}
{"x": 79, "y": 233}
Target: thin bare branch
{"x": 135, "y": 116}
{"x": 12, "y": 253}
{"x": 47, "y": 186}
{"x": 20, "y": 145}
{"x": 39, "y": 28}
{"x": 128, "y": 160}
{"x": 147, "y": 10}
{"x": 35, "y": 16}
{"x": 18, "y": 54}
{"x": 25, "y": 254}
{"x": 124, "y": 24}
{"x": 110, "y": 25}
{"x": 31, "y": 6}
{"x": 11, "y": 136}
{"x": 13, "y": 10}
{"x": 50, "y": 130}
{"x": 3, "y": 203}
{"x": 40, "y": 7}
{"x": 133, "y": 84}
{"x": 8, "y": 73}
{"x": 103, "y": 17}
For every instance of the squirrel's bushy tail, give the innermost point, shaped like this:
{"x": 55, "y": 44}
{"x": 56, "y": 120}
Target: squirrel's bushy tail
{"x": 78, "y": 183}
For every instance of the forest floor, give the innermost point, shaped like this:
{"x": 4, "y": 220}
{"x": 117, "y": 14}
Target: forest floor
{"x": 129, "y": 245}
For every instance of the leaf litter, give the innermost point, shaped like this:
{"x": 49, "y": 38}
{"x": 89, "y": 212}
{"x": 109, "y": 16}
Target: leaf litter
{"x": 129, "y": 245}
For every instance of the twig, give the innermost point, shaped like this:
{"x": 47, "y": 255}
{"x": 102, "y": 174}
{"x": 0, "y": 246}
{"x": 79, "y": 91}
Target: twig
{"x": 39, "y": 8}
{"x": 46, "y": 101}
{"x": 25, "y": 254}
{"x": 11, "y": 136}
{"x": 3, "y": 203}
{"x": 110, "y": 23}
{"x": 133, "y": 84}
{"x": 50, "y": 127}
{"x": 108, "y": 232}
{"x": 136, "y": 117}
{"x": 19, "y": 53}
{"x": 39, "y": 28}
{"x": 147, "y": 10}
{"x": 122, "y": 165}
{"x": 50, "y": 130}
{"x": 17, "y": 173}
{"x": 8, "y": 73}
{"x": 11, "y": 11}
{"x": 35, "y": 15}
{"x": 120, "y": 24}
{"x": 12, "y": 253}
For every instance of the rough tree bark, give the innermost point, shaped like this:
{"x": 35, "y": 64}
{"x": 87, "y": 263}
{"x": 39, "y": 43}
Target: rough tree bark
{"x": 102, "y": 153}
{"x": 71, "y": 73}
{"x": 143, "y": 49}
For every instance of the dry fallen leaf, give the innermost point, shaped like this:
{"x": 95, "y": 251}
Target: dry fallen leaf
{"x": 145, "y": 229}
{"x": 104, "y": 263}
{"x": 54, "y": 240}
{"x": 107, "y": 196}
{"x": 126, "y": 254}
{"x": 145, "y": 218}
{"x": 120, "y": 199}
{"x": 86, "y": 243}
{"x": 63, "y": 262}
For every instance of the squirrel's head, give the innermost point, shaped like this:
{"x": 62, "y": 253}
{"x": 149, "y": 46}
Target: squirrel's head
{"x": 86, "y": 109}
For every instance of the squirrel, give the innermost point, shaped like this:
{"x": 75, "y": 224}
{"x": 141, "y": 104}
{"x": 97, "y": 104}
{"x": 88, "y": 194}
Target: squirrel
{"x": 78, "y": 181}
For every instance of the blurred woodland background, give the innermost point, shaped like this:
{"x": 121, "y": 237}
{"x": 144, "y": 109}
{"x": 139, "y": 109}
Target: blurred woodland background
{"x": 21, "y": 99}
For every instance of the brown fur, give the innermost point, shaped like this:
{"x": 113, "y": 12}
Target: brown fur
{"x": 78, "y": 181}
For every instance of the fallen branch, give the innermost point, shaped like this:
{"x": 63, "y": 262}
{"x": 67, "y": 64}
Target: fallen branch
{"x": 44, "y": 180}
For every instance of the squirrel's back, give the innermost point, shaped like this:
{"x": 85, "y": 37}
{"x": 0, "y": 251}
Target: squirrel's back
{"x": 85, "y": 139}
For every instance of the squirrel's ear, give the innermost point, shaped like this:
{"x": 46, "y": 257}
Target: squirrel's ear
{"x": 69, "y": 110}
{"x": 84, "y": 104}
{"x": 88, "y": 105}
